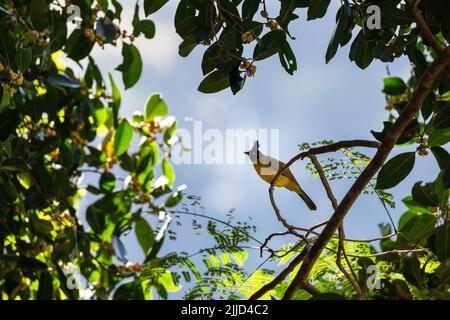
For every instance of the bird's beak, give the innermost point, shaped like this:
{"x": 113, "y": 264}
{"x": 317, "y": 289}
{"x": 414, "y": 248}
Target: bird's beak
{"x": 247, "y": 152}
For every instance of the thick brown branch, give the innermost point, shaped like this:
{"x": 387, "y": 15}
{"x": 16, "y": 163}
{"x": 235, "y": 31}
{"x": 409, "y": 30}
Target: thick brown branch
{"x": 312, "y": 290}
{"x": 278, "y": 279}
{"x": 423, "y": 89}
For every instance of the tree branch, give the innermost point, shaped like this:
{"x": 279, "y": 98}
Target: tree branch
{"x": 341, "y": 246}
{"x": 423, "y": 89}
{"x": 278, "y": 279}
{"x": 313, "y": 151}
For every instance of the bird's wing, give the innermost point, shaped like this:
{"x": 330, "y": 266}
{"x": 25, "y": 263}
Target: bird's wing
{"x": 272, "y": 166}
{"x": 287, "y": 173}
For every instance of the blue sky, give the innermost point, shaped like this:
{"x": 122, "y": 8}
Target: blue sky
{"x": 335, "y": 101}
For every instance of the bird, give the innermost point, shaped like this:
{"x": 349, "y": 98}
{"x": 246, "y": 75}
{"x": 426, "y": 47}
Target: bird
{"x": 267, "y": 167}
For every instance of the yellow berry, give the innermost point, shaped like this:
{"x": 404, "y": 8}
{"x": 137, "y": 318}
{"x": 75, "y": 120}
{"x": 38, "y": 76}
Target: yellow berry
{"x": 33, "y": 34}
{"x": 6, "y": 88}
{"x": 19, "y": 80}
{"x": 43, "y": 42}
{"x": 88, "y": 32}
{"x": 273, "y": 24}
{"x": 251, "y": 71}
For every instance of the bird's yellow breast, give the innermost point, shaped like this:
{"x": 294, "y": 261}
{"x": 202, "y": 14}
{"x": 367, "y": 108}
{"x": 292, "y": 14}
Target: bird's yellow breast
{"x": 268, "y": 175}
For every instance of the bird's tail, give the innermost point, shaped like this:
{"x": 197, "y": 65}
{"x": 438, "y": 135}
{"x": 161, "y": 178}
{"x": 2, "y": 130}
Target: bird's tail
{"x": 311, "y": 205}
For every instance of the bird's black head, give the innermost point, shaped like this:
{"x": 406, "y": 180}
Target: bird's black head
{"x": 253, "y": 153}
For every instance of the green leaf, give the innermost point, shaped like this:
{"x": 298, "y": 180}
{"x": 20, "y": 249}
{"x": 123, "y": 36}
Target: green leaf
{"x": 394, "y": 86}
{"x": 184, "y": 11}
{"x": 107, "y": 181}
{"x": 7, "y": 45}
{"x": 168, "y": 171}
{"x": 131, "y": 67}
{"x": 287, "y": 59}
{"x": 8, "y": 122}
{"x": 156, "y": 107}
{"x": 145, "y": 235}
{"x": 271, "y": 43}
{"x": 78, "y": 46}
{"x": 446, "y": 177}
{"x": 442, "y": 242}
{"x": 442, "y": 156}
{"x": 214, "y": 82}
{"x": 249, "y": 8}
{"x": 174, "y": 199}
{"x": 340, "y": 34}
{"x": 442, "y": 118}
{"x": 151, "y": 6}
{"x": 8, "y": 192}
{"x": 45, "y": 290}
{"x": 411, "y": 270}
{"x": 415, "y": 206}
{"x": 118, "y": 7}
{"x": 39, "y": 14}
{"x": 418, "y": 227}
{"x": 408, "y": 215}
{"x": 131, "y": 290}
{"x": 438, "y": 137}
{"x": 25, "y": 58}
{"x": 392, "y": 16}
{"x": 361, "y": 51}
{"x": 146, "y": 27}
{"x": 425, "y": 194}
{"x": 123, "y": 137}
{"x": 117, "y": 97}
{"x": 317, "y": 9}
{"x": 14, "y": 164}
{"x": 188, "y": 44}
{"x": 42, "y": 226}
{"x": 395, "y": 170}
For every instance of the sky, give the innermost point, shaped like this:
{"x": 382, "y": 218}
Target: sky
{"x": 337, "y": 101}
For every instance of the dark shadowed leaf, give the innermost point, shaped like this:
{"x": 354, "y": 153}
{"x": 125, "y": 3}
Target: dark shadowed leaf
{"x": 107, "y": 181}
{"x": 214, "y": 82}
{"x": 425, "y": 195}
{"x": 271, "y": 43}
{"x": 8, "y": 122}
{"x": 395, "y": 170}
{"x": 151, "y": 6}
{"x": 442, "y": 156}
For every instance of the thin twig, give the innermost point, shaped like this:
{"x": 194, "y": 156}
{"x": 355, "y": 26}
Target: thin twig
{"x": 341, "y": 248}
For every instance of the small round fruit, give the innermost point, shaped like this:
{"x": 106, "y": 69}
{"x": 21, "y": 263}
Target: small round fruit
{"x": 251, "y": 71}
{"x": 33, "y": 34}
{"x": 273, "y": 24}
